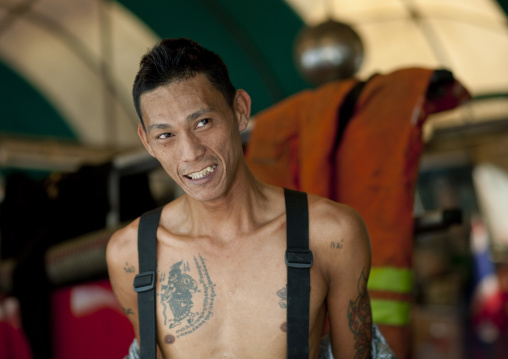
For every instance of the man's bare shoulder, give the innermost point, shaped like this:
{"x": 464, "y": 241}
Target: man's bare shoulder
{"x": 337, "y": 228}
{"x": 334, "y": 217}
{"x": 123, "y": 243}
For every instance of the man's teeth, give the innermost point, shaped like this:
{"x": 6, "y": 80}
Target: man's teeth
{"x": 202, "y": 173}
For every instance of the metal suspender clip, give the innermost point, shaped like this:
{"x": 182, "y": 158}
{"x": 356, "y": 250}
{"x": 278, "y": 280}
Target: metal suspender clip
{"x": 144, "y": 281}
{"x": 299, "y": 258}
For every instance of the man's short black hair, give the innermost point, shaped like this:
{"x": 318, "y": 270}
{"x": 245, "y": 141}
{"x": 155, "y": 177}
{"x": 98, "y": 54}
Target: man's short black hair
{"x": 180, "y": 59}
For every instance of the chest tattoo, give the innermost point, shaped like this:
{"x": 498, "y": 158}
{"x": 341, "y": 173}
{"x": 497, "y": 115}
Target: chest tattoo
{"x": 283, "y": 297}
{"x": 181, "y": 310}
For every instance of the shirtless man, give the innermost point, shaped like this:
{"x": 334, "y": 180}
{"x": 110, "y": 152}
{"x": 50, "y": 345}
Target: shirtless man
{"x": 221, "y": 274}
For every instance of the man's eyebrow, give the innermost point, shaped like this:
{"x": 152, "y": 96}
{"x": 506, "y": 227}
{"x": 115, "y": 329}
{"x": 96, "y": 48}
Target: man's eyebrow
{"x": 158, "y": 126}
{"x": 198, "y": 113}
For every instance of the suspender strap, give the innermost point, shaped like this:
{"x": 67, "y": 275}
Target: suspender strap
{"x": 298, "y": 262}
{"x": 144, "y": 282}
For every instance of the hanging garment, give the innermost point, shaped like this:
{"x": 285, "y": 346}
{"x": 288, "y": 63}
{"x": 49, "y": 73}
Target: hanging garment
{"x": 373, "y": 168}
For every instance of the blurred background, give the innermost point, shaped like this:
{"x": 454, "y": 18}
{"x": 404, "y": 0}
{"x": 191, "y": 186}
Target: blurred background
{"x": 72, "y": 168}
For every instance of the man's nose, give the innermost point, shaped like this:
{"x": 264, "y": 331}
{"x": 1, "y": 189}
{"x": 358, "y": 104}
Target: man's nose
{"x": 192, "y": 148}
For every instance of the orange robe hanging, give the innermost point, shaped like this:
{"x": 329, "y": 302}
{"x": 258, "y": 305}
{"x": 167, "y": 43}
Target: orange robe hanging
{"x": 374, "y": 169}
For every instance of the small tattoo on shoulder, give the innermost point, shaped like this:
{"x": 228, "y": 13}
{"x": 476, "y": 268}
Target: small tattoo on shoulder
{"x": 127, "y": 311}
{"x": 337, "y": 244}
{"x": 283, "y": 295}
{"x": 128, "y": 268}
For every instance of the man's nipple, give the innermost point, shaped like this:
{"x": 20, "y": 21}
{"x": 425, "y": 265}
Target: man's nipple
{"x": 169, "y": 339}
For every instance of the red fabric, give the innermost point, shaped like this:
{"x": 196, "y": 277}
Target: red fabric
{"x": 13, "y": 343}
{"x": 89, "y": 323}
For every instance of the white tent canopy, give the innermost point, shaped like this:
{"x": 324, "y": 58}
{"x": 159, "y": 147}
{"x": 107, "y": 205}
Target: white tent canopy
{"x": 469, "y": 37}
{"x": 71, "y": 72}
{"x": 89, "y": 81}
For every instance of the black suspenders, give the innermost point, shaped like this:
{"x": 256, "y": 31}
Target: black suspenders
{"x": 144, "y": 282}
{"x": 298, "y": 261}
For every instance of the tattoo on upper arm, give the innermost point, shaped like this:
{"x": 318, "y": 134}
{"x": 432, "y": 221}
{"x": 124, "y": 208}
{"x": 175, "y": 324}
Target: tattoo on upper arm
{"x": 360, "y": 319}
{"x": 337, "y": 244}
{"x": 177, "y": 296}
{"x": 127, "y": 311}
{"x": 128, "y": 268}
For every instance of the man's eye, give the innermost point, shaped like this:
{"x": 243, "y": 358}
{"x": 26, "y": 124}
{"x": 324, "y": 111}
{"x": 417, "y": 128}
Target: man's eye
{"x": 164, "y": 135}
{"x": 202, "y": 122}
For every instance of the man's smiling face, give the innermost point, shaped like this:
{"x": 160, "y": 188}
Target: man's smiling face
{"x": 194, "y": 134}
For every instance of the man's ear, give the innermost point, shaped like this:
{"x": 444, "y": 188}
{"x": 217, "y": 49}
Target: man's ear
{"x": 144, "y": 139}
{"x": 242, "y": 107}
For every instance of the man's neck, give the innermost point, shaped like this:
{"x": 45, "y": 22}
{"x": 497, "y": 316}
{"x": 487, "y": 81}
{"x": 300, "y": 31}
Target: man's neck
{"x": 240, "y": 211}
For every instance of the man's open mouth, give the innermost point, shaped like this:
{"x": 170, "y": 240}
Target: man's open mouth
{"x": 202, "y": 173}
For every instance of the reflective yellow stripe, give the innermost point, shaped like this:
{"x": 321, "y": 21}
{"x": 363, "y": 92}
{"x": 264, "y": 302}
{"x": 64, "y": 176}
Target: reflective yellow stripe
{"x": 391, "y": 279}
{"x": 390, "y": 312}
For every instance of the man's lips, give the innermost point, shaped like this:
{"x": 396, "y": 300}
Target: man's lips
{"x": 203, "y": 173}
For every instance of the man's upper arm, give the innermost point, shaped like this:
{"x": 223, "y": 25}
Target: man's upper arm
{"x": 122, "y": 260}
{"x": 122, "y": 268}
{"x": 348, "y": 303}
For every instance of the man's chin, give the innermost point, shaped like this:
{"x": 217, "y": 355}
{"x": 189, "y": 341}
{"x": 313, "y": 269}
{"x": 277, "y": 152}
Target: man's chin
{"x": 204, "y": 195}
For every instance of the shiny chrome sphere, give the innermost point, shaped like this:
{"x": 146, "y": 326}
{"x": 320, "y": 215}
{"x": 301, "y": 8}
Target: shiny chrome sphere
{"x": 329, "y": 51}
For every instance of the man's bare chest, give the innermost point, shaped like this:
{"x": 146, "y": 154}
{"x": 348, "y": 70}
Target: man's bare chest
{"x": 210, "y": 299}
